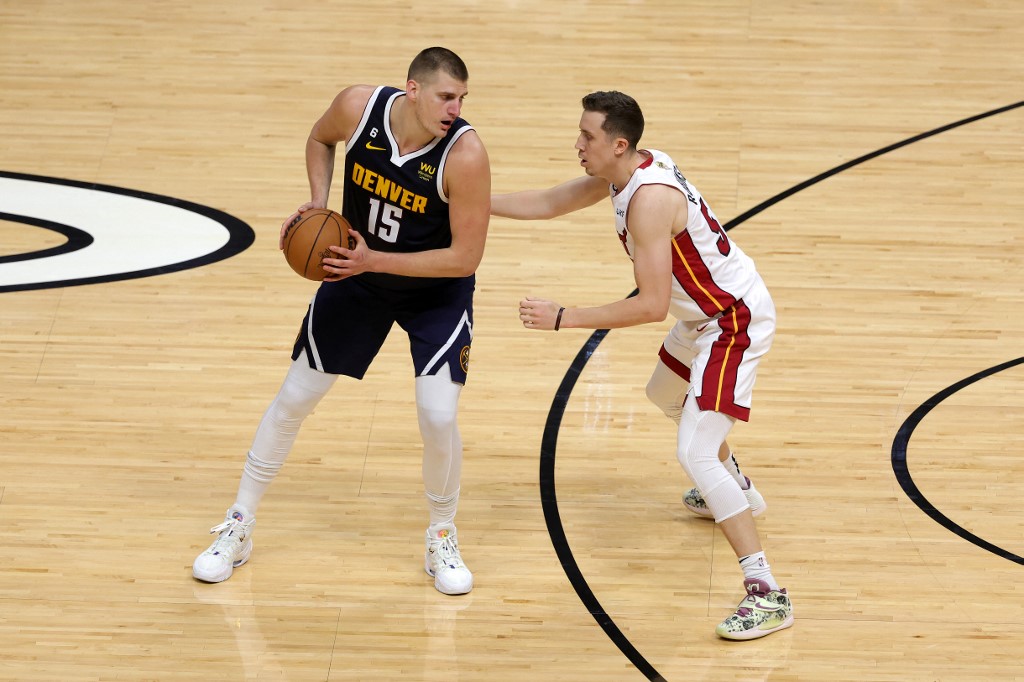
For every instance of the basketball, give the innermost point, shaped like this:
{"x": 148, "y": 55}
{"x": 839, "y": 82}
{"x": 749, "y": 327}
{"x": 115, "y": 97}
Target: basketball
{"x": 307, "y": 239}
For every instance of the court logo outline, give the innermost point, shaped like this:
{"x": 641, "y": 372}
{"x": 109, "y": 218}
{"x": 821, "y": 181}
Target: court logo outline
{"x": 112, "y": 233}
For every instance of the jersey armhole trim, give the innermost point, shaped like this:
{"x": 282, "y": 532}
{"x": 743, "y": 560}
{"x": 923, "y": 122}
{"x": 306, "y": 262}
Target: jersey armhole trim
{"x": 444, "y": 157}
{"x": 629, "y": 204}
{"x": 362, "y": 121}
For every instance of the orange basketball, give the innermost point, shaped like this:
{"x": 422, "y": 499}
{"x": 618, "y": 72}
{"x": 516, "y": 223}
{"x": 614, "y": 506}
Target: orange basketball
{"x": 307, "y": 239}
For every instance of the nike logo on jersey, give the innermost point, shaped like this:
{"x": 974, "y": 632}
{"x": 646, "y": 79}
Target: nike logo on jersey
{"x": 369, "y": 145}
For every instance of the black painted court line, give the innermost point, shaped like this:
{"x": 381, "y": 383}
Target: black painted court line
{"x": 554, "y": 521}
{"x": 76, "y": 239}
{"x": 549, "y": 500}
{"x": 743, "y": 217}
{"x": 902, "y": 471}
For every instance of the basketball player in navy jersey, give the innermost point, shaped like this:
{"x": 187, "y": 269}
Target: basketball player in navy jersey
{"x": 683, "y": 264}
{"x": 416, "y": 190}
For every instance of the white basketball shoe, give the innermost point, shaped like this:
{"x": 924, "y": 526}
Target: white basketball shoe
{"x": 230, "y": 550}
{"x": 443, "y": 561}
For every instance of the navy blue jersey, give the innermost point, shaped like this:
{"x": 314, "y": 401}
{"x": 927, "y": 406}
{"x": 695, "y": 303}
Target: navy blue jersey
{"x": 397, "y": 203}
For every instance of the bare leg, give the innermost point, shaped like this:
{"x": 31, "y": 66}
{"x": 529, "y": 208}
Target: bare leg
{"x": 741, "y": 532}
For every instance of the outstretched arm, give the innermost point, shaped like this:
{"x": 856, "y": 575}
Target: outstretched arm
{"x": 652, "y": 213}
{"x": 540, "y": 204}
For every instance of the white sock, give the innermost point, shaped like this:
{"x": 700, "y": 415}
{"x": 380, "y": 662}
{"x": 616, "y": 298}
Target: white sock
{"x": 437, "y": 400}
{"x": 442, "y": 511}
{"x": 755, "y": 567}
{"x": 300, "y": 392}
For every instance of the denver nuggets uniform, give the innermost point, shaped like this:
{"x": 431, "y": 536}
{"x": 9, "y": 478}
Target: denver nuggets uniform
{"x": 397, "y": 203}
{"x": 726, "y": 317}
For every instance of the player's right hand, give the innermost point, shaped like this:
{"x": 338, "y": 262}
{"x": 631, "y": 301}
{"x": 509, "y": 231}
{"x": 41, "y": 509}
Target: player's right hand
{"x": 292, "y": 219}
{"x": 538, "y": 313}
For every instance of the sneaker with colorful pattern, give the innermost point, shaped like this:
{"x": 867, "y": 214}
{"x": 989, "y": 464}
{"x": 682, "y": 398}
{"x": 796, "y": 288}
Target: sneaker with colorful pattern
{"x": 443, "y": 561}
{"x": 230, "y": 550}
{"x": 694, "y": 501}
{"x": 762, "y": 612}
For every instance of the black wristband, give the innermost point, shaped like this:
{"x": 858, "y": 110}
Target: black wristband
{"x": 558, "y": 319}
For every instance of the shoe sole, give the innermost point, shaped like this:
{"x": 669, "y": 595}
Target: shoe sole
{"x": 437, "y": 583}
{"x": 755, "y": 634}
{"x": 246, "y": 553}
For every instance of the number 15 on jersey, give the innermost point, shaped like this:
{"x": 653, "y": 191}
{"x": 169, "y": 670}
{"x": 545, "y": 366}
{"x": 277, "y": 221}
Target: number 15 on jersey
{"x": 388, "y": 216}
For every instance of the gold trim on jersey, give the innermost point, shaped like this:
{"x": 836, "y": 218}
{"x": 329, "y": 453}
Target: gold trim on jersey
{"x": 693, "y": 277}
{"x": 388, "y": 189}
{"x": 725, "y": 362}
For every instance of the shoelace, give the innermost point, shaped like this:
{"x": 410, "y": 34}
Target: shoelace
{"x": 227, "y": 538}
{"x": 449, "y": 553}
{"x": 750, "y": 602}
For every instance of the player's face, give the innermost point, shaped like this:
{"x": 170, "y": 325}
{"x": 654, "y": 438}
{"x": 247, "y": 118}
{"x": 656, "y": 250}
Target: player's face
{"x": 439, "y": 102}
{"x": 594, "y": 147}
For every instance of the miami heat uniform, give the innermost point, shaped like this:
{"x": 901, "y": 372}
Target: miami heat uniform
{"x": 397, "y": 203}
{"x": 726, "y": 317}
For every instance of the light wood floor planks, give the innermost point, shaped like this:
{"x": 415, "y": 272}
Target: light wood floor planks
{"x": 126, "y": 407}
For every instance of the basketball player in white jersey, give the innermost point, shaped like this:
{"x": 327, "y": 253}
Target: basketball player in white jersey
{"x": 684, "y": 264}
{"x": 415, "y": 188}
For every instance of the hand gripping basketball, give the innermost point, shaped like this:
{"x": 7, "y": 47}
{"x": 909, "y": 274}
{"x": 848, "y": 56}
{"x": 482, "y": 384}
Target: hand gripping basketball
{"x": 307, "y": 239}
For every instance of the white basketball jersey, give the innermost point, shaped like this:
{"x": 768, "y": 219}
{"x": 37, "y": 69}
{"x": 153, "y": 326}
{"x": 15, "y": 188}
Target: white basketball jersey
{"x": 710, "y": 272}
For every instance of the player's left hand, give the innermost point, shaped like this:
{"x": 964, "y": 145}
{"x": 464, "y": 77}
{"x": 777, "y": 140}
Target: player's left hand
{"x": 349, "y": 261}
{"x": 538, "y": 313}
{"x": 292, "y": 219}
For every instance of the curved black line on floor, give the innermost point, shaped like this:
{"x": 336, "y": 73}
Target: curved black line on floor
{"x": 240, "y": 235}
{"x": 76, "y": 238}
{"x": 899, "y": 462}
{"x": 549, "y": 500}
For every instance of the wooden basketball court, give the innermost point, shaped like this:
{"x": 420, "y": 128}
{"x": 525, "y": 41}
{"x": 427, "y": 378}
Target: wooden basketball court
{"x": 887, "y": 427}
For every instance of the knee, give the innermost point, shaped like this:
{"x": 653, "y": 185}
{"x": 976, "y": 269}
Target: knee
{"x": 302, "y": 390}
{"x": 668, "y": 400}
{"x": 687, "y": 459}
{"x": 436, "y": 423}
{"x": 699, "y": 458}
{"x": 293, "y": 404}
{"x": 652, "y": 392}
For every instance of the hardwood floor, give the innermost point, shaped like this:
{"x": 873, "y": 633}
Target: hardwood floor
{"x": 127, "y": 405}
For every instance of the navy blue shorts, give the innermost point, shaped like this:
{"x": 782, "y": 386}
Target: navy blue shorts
{"x": 347, "y": 322}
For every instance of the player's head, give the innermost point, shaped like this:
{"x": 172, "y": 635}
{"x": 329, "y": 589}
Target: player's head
{"x": 434, "y": 60}
{"x": 622, "y": 115}
{"x": 610, "y": 128}
{"x": 436, "y": 87}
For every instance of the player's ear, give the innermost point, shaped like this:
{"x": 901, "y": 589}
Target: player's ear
{"x": 621, "y": 146}
{"x": 412, "y": 89}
